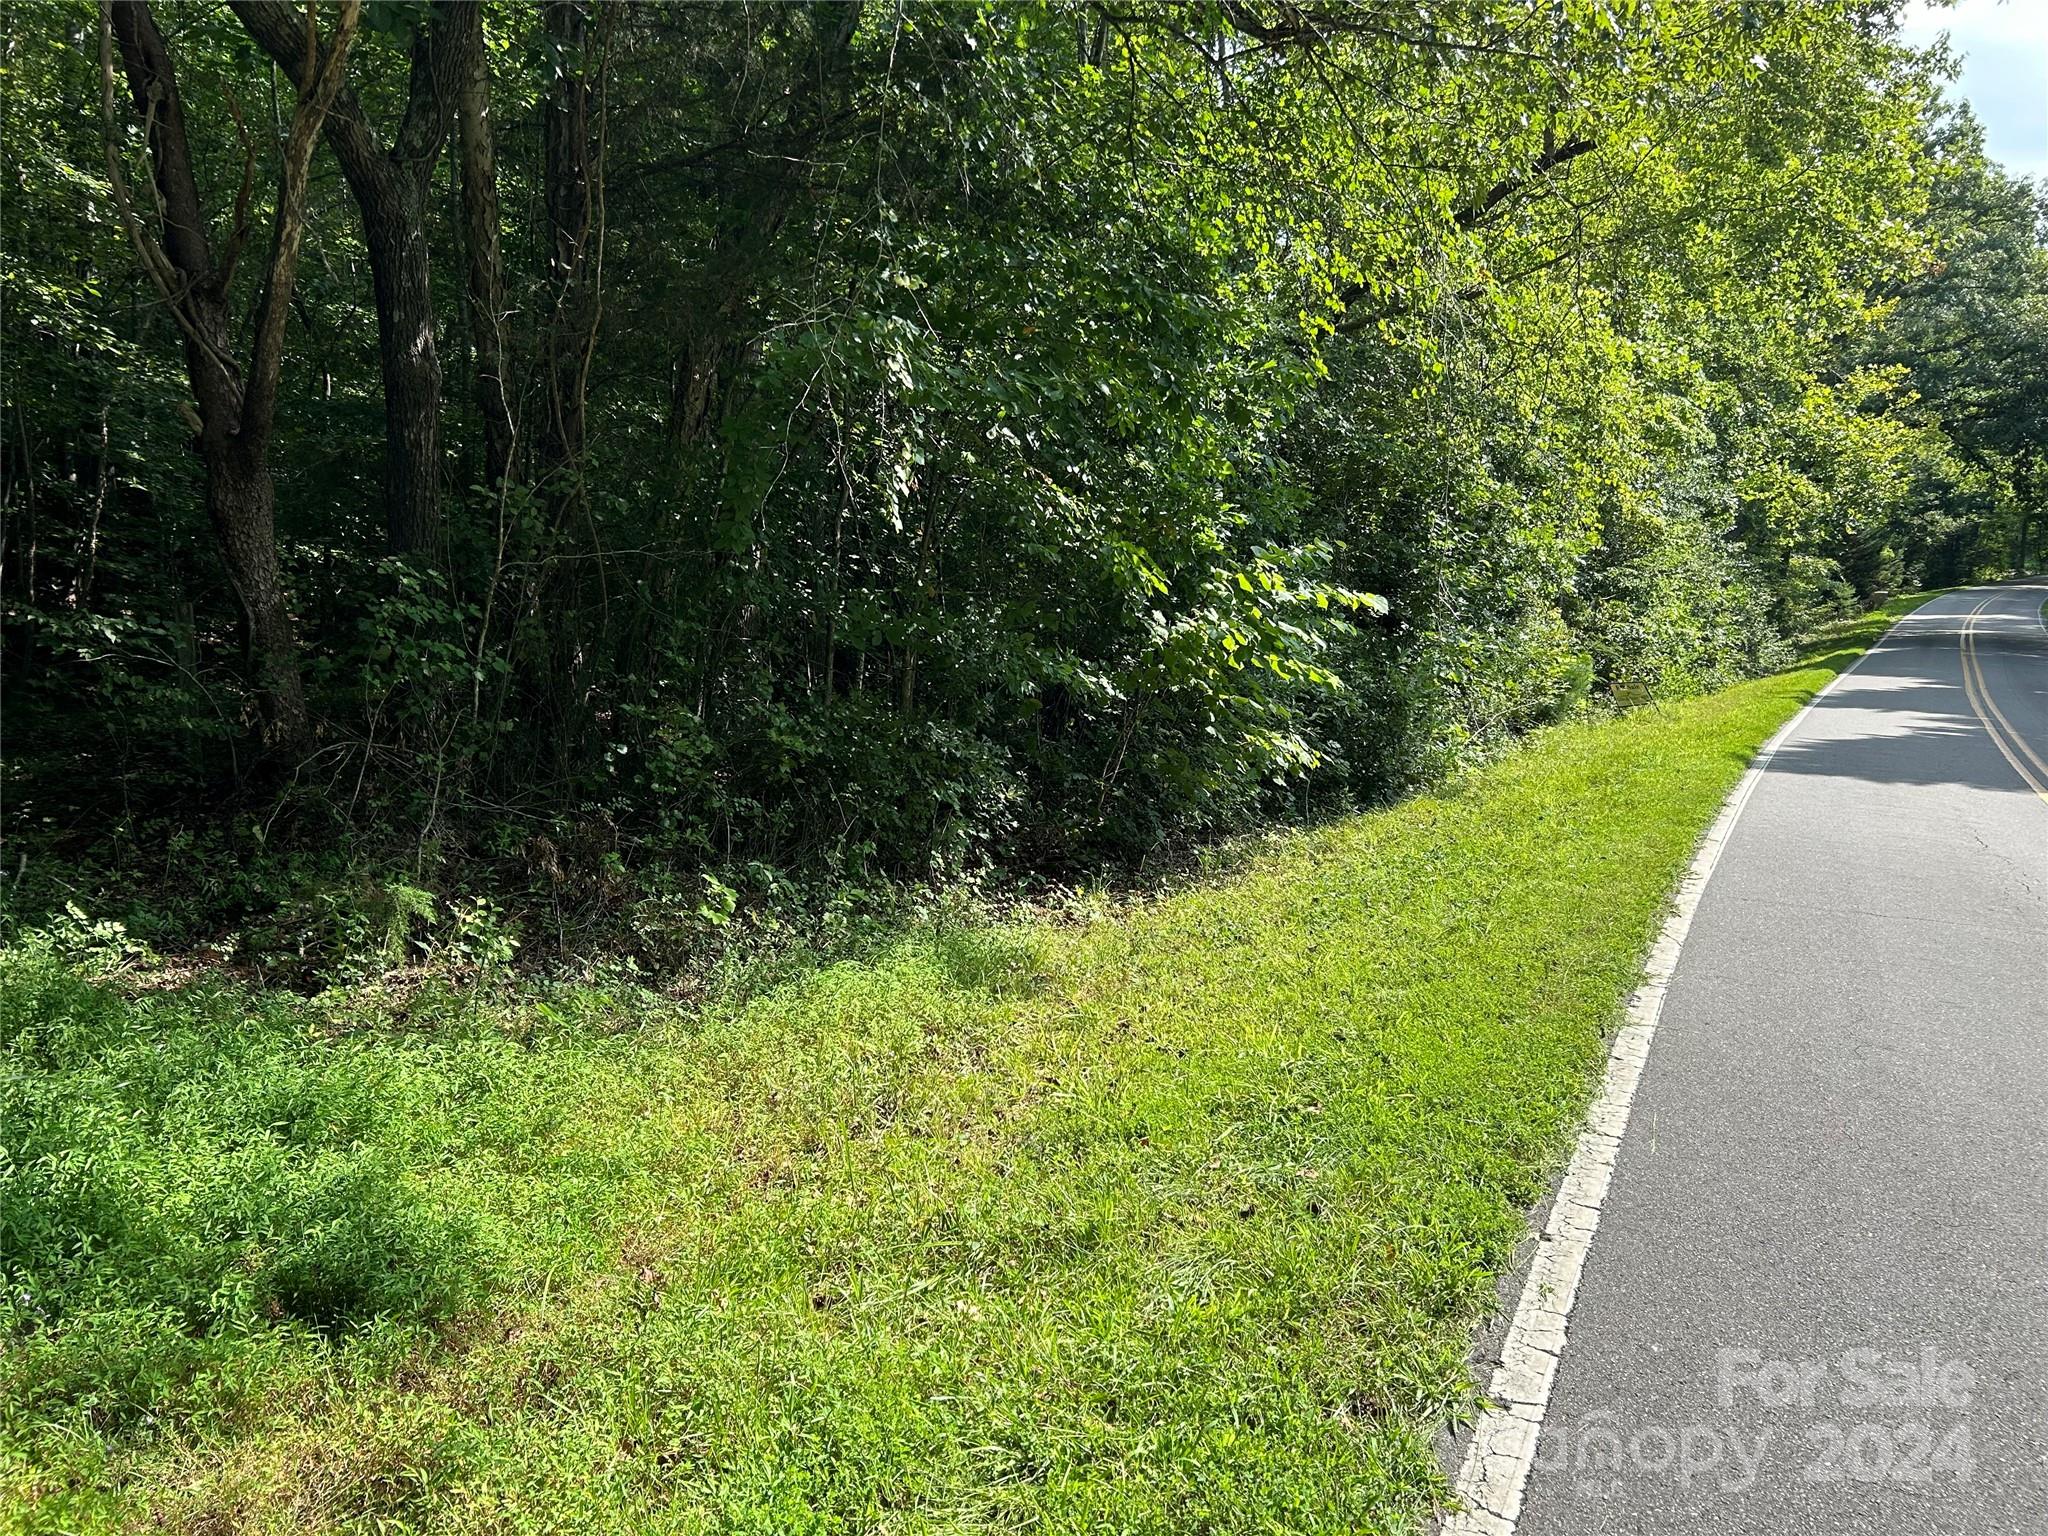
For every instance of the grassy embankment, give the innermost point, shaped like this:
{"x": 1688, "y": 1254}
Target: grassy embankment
{"x": 1175, "y": 1222}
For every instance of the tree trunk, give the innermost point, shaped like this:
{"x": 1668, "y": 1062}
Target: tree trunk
{"x": 476, "y": 146}
{"x": 390, "y": 190}
{"x": 714, "y": 347}
{"x": 2026, "y": 483}
{"x": 237, "y": 408}
{"x": 395, "y": 230}
{"x": 566, "y": 342}
{"x": 241, "y": 502}
{"x": 717, "y": 330}
{"x": 566, "y": 132}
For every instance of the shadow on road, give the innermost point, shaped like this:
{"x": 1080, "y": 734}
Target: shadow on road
{"x": 1927, "y": 733}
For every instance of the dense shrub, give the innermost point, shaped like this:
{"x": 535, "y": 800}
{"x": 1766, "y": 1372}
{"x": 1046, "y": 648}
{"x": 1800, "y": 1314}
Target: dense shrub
{"x": 1012, "y": 439}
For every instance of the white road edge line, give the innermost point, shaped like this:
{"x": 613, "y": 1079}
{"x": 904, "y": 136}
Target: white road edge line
{"x": 1495, "y": 1471}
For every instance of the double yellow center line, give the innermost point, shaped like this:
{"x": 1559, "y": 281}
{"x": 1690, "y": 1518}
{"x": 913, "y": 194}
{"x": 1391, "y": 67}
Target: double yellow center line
{"x": 1992, "y": 718}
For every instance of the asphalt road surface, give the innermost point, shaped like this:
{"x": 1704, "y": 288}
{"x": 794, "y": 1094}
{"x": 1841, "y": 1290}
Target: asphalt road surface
{"x": 1818, "y": 1296}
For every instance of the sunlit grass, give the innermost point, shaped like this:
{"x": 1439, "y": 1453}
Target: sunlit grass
{"x": 1179, "y": 1220}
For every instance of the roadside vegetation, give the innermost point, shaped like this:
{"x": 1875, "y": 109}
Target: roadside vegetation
{"x": 1173, "y": 1217}
{"x": 736, "y": 463}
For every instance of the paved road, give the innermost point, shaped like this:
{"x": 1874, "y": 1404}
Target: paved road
{"x": 1818, "y": 1297}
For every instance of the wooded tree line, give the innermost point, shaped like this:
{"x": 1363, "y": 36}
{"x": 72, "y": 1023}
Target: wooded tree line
{"x": 903, "y": 438}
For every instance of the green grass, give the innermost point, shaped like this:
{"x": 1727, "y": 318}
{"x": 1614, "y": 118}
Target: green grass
{"x": 1179, "y": 1220}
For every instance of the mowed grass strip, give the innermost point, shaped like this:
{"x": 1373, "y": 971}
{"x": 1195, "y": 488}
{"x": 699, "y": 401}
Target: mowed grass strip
{"x": 1179, "y": 1221}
